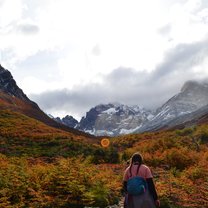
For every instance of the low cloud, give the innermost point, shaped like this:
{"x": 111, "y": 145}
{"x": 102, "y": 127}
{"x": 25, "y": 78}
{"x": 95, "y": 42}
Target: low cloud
{"x": 96, "y": 51}
{"x": 165, "y": 30}
{"x": 1, "y": 2}
{"x": 182, "y": 59}
{"x": 28, "y": 29}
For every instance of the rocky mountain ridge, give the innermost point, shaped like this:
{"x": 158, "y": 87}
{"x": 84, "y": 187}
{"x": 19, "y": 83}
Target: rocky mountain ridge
{"x": 116, "y": 119}
{"x": 67, "y": 120}
{"x": 110, "y": 119}
{"x": 8, "y": 85}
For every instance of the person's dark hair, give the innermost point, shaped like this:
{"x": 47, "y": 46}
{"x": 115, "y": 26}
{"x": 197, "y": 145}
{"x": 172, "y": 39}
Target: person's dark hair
{"x": 136, "y": 159}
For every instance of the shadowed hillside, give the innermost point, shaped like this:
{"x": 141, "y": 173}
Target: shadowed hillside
{"x": 32, "y": 110}
{"x": 21, "y": 134}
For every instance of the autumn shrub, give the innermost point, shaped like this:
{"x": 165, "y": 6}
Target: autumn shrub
{"x": 76, "y": 181}
{"x": 105, "y": 155}
{"x": 179, "y": 158}
{"x": 203, "y": 136}
{"x": 196, "y": 172}
{"x": 186, "y": 131}
{"x": 63, "y": 183}
{"x": 167, "y": 203}
{"x": 14, "y": 181}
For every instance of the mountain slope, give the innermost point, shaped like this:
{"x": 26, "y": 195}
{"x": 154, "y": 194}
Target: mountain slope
{"x": 193, "y": 96}
{"x": 197, "y": 117}
{"x": 26, "y": 130}
{"x": 23, "y": 135}
{"x": 13, "y": 98}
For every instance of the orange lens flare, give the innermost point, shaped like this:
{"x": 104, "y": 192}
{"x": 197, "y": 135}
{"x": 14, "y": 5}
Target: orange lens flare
{"x": 105, "y": 142}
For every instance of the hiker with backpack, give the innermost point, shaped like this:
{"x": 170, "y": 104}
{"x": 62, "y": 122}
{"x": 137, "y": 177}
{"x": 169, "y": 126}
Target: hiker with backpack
{"x": 138, "y": 185}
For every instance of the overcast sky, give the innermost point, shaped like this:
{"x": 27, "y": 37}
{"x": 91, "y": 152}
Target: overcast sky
{"x": 69, "y": 56}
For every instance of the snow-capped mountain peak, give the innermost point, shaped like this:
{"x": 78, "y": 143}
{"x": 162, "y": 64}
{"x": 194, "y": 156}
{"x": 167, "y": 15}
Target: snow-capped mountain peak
{"x": 113, "y": 119}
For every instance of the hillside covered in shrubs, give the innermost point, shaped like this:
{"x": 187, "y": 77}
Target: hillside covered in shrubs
{"x": 45, "y": 167}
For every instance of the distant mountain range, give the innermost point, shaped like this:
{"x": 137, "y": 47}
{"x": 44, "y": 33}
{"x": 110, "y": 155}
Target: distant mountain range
{"x": 188, "y": 107}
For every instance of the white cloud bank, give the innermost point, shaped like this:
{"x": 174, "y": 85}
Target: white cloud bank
{"x": 135, "y": 52}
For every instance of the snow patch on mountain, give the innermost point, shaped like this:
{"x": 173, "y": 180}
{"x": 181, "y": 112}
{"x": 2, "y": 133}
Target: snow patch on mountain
{"x": 110, "y": 111}
{"x": 129, "y": 131}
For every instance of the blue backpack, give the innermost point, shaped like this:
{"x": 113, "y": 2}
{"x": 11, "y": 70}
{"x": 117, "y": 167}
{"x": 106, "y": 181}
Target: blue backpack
{"x": 136, "y": 185}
